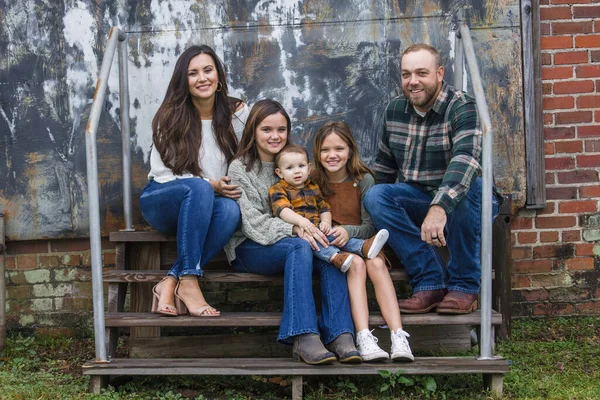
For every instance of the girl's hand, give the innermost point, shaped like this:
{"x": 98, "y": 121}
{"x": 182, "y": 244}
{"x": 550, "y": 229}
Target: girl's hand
{"x": 325, "y": 227}
{"x": 311, "y": 237}
{"x": 223, "y": 188}
{"x": 341, "y": 236}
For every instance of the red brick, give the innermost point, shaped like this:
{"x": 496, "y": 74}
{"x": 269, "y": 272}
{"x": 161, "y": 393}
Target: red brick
{"x": 550, "y": 178}
{"x": 527, "y": 237}
{"x": 549, "y": 237}
{"x": 580, "y": 264}
{"x": 559, "y": 163}
{"x": 554, "y": 222}
{"x": 573, "y": 117}
{"x": 54, "y": 332}
{"x": 553, "y": 251}
{"x": 545, "y": 29}
{"x": 573, "y": 87}
{"x": 535, "y": 295}
{"x": 571, "y": 57}
{"x": 588, "y": 101}
{"x": 548, "y": 149}
{"x": 571, "y": 236}
{"x": 549, "y": 209}
{"x": 587, "y": 41}
{"x": 588, "y": 131}
{"x": 591, "y": 307}
{"x": 27, "y": 247}
{"x": 10, "y": 262}
{"x": 26, "y": 262}
{"x": 570, "y": 146}
{"x": 586, "y": 11}
{"x": 546, "y": 59}
{"x": 555, "y": 13}
{"x": 581, "y": 206}
{"x": 532, "y": 266}
{"x": 597, "y": 293}
{"x": 595, "y": 56}
{"x": 553, "y": 309}
{"x": 554, "y": 103}
{"x": 71, "y": 260}
{"x": 592, "y": 146}
{"x": 108, "y": 259}
{"x": 548, "y": 119}
{"x": 561, "y": 193}
{"x": 519, "y": 253}
{"x": 48, "y": 261}
{"x": 557, "y": 42}
{"x": 586, "y": 71}
{"x": 546, "y": 88}
{"x": 520, "y": 223}
{"x": 580, "y": 176}
{"x": 587, "y": 161}
{"x": 557, "y": 73}
{"x": 520, "y": 281}
{"x": 563, "y": 132}
{"x": 584, "y": 249}
{"x": 589, "y": 191}
{"x": 565, "y": 28}
{"x": 77, "y": 245}
{"x": 597, "y": 116}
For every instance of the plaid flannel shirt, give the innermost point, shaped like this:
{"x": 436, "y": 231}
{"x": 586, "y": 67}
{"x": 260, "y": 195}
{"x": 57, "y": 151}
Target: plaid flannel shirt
{"x": 440, "y": 151}
{"x": 307, "y": 201}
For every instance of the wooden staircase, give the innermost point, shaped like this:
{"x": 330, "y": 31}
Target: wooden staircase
{"x": 139, "y": 258}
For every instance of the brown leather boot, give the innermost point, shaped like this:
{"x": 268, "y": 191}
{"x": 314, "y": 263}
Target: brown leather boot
{"x": 422, "y": 301}
{"x": 457, "y": 302}
{"x": 342, "y": 261}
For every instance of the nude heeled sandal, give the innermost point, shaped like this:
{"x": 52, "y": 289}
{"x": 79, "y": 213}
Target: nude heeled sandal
{"x": 182, "y": 307}
{"x": 162, "y": 308}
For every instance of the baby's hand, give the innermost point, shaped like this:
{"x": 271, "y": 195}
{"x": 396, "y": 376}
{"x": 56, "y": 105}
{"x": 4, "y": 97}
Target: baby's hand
{"x": 306, "y": 225}
{"x": 325, "y": 227}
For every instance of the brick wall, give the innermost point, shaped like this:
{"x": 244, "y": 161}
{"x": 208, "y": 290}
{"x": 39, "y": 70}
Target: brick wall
{"x": 49, "y": 284}
{"x": 556, "y": 251}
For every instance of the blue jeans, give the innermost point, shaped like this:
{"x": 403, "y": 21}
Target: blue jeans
{"x": 202, "y": 222}
{"x": 293, "y": 257}
{"x": 353, "y": 245}
{"x": 401, "y": 208}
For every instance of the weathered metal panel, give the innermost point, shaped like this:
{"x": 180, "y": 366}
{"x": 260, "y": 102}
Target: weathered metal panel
{"x": 321, "y": 59}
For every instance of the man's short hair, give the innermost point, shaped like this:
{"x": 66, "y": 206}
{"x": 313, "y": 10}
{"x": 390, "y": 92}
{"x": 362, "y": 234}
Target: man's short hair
{"x": 426, "y": 47}
{"x": 290, "y": 148}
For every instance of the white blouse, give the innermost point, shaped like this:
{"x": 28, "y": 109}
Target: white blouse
{"x": 211, "y": 159}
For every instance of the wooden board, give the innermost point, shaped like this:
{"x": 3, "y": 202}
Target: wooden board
{"x": 274, "y": 318}
{"x": 277, "y": 366}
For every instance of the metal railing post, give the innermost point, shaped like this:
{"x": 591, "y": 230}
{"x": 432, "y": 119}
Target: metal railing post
{"x": 2, "y": 286}
{"x": 125, "y": 134}
{"x": 485, "y": 345}
{"x": 93, "y": 196}
{"x": 459, "y": 61}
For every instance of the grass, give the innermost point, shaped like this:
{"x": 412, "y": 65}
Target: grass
{"x": 552, "y": 359}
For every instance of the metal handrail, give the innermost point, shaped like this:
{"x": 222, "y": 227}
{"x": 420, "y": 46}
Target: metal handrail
{"x": 465, "y": 43}
{"x": 115, "y": 35}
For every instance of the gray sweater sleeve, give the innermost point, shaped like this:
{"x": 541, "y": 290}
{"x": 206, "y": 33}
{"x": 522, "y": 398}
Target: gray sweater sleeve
{"x": 258, "y": 223}
{"x": 366, "y": 229}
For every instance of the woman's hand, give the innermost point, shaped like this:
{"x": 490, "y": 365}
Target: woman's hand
{"x": 341, "y": 236}
{"x": 223, "y": 188}
{"x": 311, "y": 236}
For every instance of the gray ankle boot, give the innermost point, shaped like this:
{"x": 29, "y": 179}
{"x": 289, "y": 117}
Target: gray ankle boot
{"x": 310, "y": 349}
{"x": 344, "y": 348}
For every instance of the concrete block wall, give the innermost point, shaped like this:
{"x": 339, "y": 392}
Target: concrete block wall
{"x": 556, "y": 250}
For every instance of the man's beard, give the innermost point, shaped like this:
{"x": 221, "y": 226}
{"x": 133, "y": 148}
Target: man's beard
{"x": 429, "y": 91}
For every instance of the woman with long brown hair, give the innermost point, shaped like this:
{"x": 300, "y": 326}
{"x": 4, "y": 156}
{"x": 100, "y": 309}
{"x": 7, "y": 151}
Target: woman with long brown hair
{"x": 195, "y": 135}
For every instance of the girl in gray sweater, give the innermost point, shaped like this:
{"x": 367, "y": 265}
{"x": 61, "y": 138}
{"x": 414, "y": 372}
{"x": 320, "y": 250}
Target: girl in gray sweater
{"x": 268, "y": 245}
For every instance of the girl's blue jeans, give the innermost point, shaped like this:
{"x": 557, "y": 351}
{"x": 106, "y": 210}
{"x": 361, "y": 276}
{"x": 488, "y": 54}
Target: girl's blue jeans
{"x": 353, "y": 245}
{"x": 293, "y": 257}
{"x": 401, "y": 208}
{"x": 202, "y": 222}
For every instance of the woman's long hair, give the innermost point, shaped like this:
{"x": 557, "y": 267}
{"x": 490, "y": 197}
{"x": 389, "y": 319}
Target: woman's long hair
{"x": 247, "y": 151}
{"x": 177, "y": 127}
{"x": 355, "y": 167}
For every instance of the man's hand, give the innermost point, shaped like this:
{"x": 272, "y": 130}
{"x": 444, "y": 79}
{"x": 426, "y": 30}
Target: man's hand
{"x": 432, "y": 230}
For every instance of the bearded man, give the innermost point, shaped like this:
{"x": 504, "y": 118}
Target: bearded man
{"x": 429, "y": 162}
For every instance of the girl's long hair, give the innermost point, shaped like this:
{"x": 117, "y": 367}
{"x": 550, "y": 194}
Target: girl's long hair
{"x": 355, "y": 167}
{"x": 247, "y": 151}
{"x": 177, "y": 127}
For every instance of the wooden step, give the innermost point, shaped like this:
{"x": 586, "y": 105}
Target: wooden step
{"x": 125, "y": 319}
{"x": 140, "y": 236}
{"x": 287, "y": 366}
{"x": 151, "y": 276}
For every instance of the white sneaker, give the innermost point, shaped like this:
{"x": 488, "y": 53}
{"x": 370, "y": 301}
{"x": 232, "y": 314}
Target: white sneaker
{"x": 366, "y": 344}
{"x": 373, "y": 245}
{"x": 400, "y": 347}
